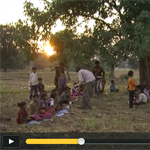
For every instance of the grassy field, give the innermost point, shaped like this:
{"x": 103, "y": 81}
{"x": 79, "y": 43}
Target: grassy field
{"x": 110, "y": 111}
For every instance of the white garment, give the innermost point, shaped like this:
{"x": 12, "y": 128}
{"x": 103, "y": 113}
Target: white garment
{"x": 142, "y": 98}
{"x": 33, "y": 79}
{"x": 85, "y": 76}
{"x": 51, "y": 102}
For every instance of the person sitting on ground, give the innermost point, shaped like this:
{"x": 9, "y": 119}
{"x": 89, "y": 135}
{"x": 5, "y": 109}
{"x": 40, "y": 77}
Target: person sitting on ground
{"x": 52, "y": 103}
{"x": 54, "y": 96}
{"x": 147, "y": 92}
{"x": 142, "y": 85}
{"x": 43, "y": 107}
{"x": 40, "y": 86}
{"x": 61, "y": 83}
{"x": 142, "y": 99}
{"x": 34, "y": 106}
{"x": 76, "y": 91}
{"x": 22, "y": 114}
{"x": 65, "y": 96}
{"x": 112, "y": 87}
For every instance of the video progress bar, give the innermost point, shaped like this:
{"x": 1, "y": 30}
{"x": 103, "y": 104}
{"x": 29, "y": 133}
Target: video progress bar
{"x": 82, "y": 141}
{"x": 118, "y": 141}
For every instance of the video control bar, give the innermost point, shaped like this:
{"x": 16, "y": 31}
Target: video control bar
{"x": 82, "y": 141}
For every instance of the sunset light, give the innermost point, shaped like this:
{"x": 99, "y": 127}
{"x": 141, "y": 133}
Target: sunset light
{"x": 48, "y": 49}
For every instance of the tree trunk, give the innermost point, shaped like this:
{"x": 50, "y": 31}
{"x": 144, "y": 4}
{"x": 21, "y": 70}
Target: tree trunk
{"x": 67, "y": 74}
{"x": 5, "y": 69}
{"x": 144, "y": 70}
{"x": 112, "y": 74}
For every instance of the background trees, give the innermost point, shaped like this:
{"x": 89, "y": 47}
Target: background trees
{"x": 127, "y": 35}
{"x": 10, "y": 53}
{"x": 121, "y": 32}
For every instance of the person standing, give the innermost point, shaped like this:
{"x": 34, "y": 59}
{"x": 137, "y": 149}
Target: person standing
{"x": 99, "y": 74}
{"x": 88, "y": 78}
{"x": 61, "y": 83}
{"x": 57, "y": 74}
{"x": 33, "y": 82}
{"x": 132, "y": 86}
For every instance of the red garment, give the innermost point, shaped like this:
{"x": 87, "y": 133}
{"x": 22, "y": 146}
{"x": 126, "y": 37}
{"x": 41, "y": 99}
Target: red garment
{"x": 22, "y": 114}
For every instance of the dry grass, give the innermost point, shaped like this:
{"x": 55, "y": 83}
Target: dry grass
{"x": 110, "y": 111}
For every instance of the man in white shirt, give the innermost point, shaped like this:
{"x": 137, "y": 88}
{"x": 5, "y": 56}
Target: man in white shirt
{"x": 33, "y": 82}
{"x": 88, "y": 78}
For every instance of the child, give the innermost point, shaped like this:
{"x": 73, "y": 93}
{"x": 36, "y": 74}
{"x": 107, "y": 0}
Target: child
{"x": 132, "y": 86}
{"x": 52, "y": 103}
{"x": 65, "y": 96}
{"x": 43, "y": 107}
{"x": 40, "y": 86}
{"x": 54, "y": 96}
{"x": 147, "y": 92}
{"x": 61, "y": 83}
{"x": 113, "y": 87}
{"x": 76, "y": 91}
{"x": 22, "y": 114}
{"x": 33, "y": 82}
{"x": 103, "y": 83}
{"x": 142, "y": 85}
{"x": 34, "y": 106}
{"x": 142, "y": 97}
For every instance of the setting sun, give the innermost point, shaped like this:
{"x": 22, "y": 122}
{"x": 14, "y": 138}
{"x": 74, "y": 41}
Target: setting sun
{"x": 48, "y": 49}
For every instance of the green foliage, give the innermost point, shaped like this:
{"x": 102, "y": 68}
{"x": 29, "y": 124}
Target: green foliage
{"x": 11, "y": 58}
{"x": 133, "y": 63}
{"x": 124, "y": 76}
{"x": 127, "y": 35}
{"x": 69, "y": 47}
{"x": 26, "y": 39}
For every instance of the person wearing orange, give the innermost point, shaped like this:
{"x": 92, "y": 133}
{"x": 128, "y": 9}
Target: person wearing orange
{"x": 132, "y": 86}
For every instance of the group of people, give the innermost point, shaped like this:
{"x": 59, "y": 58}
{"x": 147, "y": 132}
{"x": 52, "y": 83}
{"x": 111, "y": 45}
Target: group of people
{"x": 43, "y": 106}
{"x": 138, "y": 94}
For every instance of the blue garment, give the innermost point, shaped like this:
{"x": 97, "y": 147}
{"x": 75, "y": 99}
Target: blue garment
{"x": 112, "y": 87}
{"x": 98, "y": 86}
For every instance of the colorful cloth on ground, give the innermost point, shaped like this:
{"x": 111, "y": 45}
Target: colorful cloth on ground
{"x": 36, "y": 117}
{"x": 44, "y": 114}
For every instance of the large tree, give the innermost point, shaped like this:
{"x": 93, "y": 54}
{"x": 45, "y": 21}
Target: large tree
{"x": 128, "y": 32}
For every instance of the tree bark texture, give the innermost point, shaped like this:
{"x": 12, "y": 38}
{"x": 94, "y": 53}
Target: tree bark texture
{"x": 144, "y": 70}
{"x": 112, "y": 74}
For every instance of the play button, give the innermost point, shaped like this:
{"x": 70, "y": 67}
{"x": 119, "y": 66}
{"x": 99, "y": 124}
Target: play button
{"x": 10, "y": 141}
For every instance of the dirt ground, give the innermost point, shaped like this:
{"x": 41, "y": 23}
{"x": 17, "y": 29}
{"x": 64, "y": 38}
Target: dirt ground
{"x": 110, "y": 111}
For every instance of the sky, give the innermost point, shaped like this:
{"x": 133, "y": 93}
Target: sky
{"x": 12, "y": 11}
